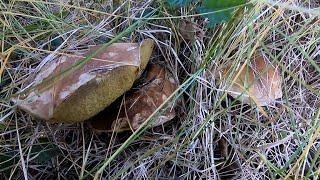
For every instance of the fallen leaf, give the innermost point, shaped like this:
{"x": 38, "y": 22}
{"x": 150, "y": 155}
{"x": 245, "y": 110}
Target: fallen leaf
{"x": 190, "y": 30}
{"x": 259, "y": 82}
{"x": 138, "y": 105}
{"x": 90, "y": 88}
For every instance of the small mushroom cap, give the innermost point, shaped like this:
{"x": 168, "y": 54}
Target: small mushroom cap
{"x": 259, "y": 83}
{"x": 138, "y": 105}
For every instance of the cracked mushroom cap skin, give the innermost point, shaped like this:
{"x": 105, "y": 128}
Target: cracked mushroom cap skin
{"x": 90, "y": 88}
{"x": 138, "y": 105}
{"x": 260, "y": 83}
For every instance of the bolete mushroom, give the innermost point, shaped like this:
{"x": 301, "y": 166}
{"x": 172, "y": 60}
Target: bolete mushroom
{"x": 137, "y": 105}
{"x": 90, "y": 88}
{"x": 258, "y": 83}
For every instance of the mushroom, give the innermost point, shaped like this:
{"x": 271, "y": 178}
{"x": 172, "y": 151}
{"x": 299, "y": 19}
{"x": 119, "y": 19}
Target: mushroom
{"x": 259, "y": 83}
{"x": 90, "y": 88}
{"x": 137, "y": 105}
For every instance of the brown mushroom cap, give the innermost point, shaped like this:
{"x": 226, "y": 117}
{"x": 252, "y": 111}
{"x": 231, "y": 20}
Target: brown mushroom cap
{"x": 90, "y": 88}
{"x": 137, "y": 106}
{"x": 259, "y": 83}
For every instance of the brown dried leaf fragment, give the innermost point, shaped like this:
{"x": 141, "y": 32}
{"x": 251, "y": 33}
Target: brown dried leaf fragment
{"x": 190, "y": 30}
{"x": 140, "y": 104}
{"x": 259, "y": 83}
{"x": 90, "y": 88}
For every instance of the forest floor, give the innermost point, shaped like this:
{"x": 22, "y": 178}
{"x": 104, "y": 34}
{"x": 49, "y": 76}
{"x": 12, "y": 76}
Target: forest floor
{"x": 213, "y": 134}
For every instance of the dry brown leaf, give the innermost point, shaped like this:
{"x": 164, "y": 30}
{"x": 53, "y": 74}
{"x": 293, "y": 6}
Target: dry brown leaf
{"x": 139, "y": 105}
{"x": 90, "y": 88}
{"x": 259, "y": 83}
{"x": 190, "y": 30}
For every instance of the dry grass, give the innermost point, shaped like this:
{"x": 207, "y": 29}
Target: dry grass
{"x": 213, "y": 136}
